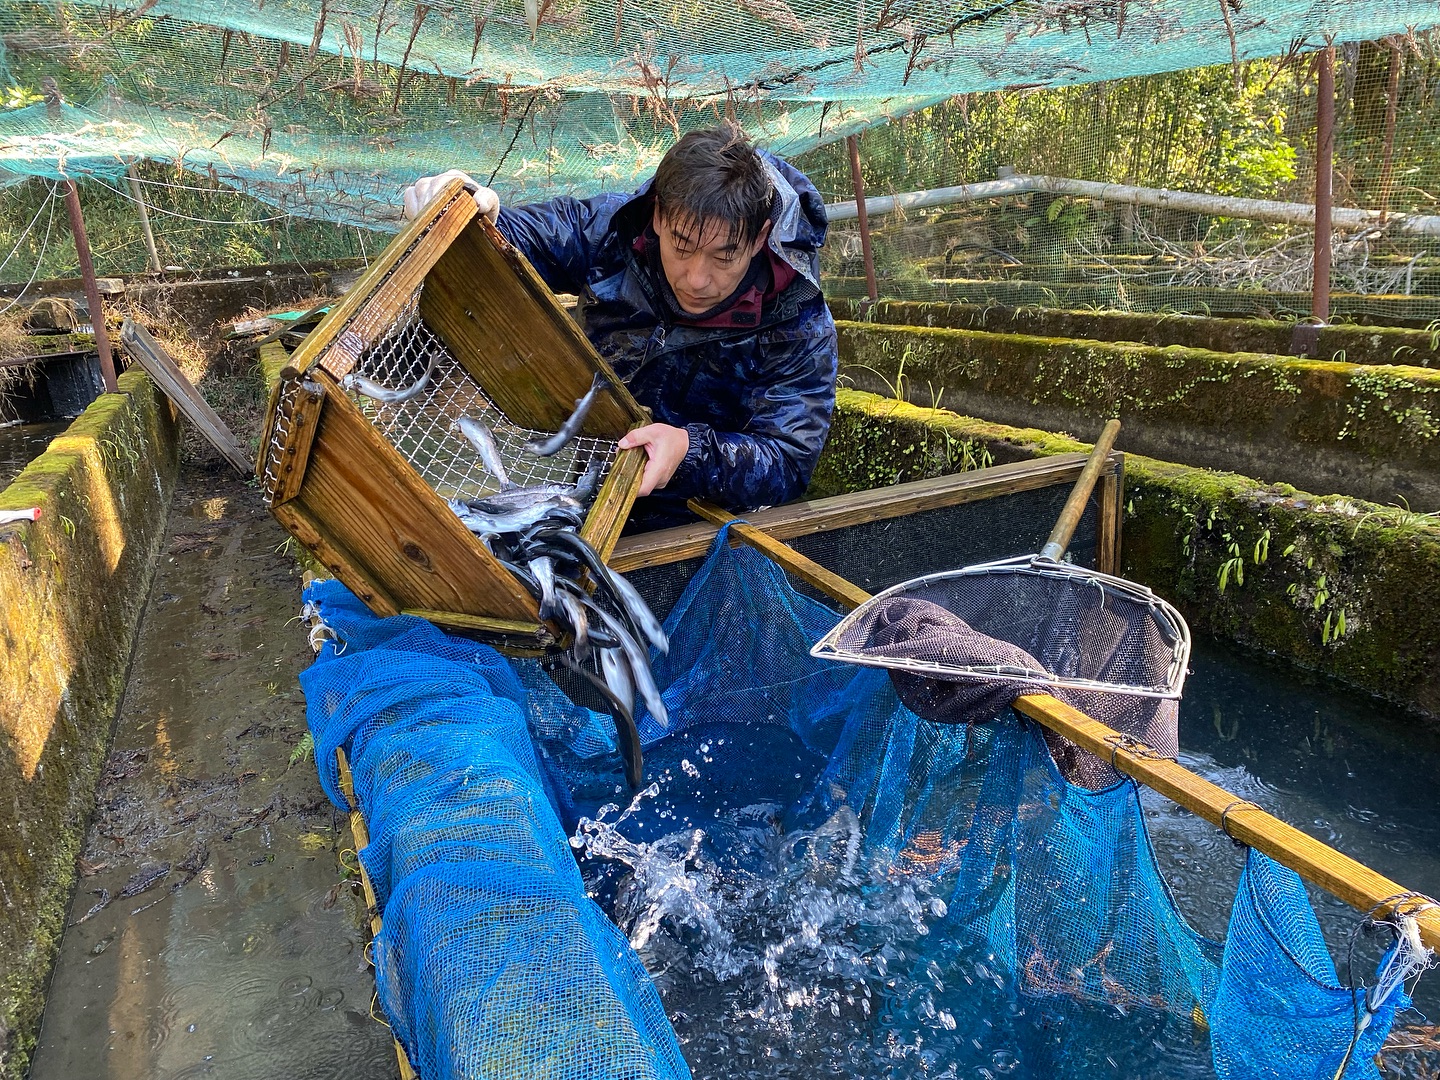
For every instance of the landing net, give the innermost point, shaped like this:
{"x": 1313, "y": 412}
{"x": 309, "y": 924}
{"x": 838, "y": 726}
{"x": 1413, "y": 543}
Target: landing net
{"x": 816, "y": 881}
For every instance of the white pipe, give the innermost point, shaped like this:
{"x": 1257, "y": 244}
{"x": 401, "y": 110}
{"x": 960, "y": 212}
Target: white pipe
{"x": 1218, "y": 205}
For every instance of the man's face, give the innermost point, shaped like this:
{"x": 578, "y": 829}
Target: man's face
{"x": 703, "y": 263}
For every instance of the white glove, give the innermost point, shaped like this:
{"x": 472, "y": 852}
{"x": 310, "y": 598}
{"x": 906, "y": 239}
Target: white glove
{"x": 415, "y": 197}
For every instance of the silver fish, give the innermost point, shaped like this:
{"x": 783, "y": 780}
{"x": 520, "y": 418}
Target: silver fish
{"x": 513, "y": 499}
{"x": 586, "y": 485}
{"x": 544, "y": 570}
{"x": 639, "y": 667}
{"x": 571, "y": 427}
{"x": 617, "y": 676}
{"x": 627, "y": 736}
{"x": 639, "y": 612}
{"x": 384, "y": 394}
{"x": 574, "y": 613}
{"x": 483, "y": 440}
{"x": 494, "y": 524}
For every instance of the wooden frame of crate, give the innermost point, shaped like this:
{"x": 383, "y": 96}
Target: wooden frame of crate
{"x": 363, "y": 485}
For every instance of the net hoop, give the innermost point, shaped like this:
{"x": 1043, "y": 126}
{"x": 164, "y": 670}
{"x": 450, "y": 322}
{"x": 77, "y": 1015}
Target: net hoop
{"x": 1169, "y": 621}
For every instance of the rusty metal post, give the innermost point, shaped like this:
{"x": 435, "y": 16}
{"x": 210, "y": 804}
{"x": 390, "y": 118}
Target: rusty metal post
{"x": 92, "y": 288}
{"x": 871, "y": 287}
{"x": 1324, "y": 178}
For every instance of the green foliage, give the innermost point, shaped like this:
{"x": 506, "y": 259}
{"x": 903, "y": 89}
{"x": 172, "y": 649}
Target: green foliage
{"x": 198, "y": 225}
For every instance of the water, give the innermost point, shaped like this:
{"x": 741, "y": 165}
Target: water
{"x": 20, "y": 444}
{"x": 786, "y": 952}
{"x": 247, "y": 958}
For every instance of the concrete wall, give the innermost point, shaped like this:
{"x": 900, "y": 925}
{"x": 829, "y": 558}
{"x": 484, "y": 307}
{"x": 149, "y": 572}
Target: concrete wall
{"x": 1333, "y": 585}
{"x": 1344, "y": 343}
{"x": 1372, "y": 432}
{"x": 72, "y": 589}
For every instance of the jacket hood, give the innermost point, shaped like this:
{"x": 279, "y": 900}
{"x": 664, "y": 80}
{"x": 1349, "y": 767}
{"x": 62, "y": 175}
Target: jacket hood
{"x": 798, "y": 218}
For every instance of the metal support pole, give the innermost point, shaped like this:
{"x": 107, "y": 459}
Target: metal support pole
{"x": 92, "y": 289}
{"x": 139, "y": 196}
{"x": 859, "y": 184}
{"x": 1324, "y": 178}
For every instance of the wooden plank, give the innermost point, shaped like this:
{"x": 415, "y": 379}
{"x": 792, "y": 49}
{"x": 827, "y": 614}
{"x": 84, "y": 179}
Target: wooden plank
{"x": 306, "y": 404}
{"x": 613, "y": 501}
{"x": 505, "y": 326}
{"x": 1111, "y": 516}
{"x": 378, "y": 314}
{"x": 151, "y": 355}
{"x": 857, "y": 508}
{"x": 534, "y": 631}
{"x": 396, "y": 528}
{"x": 1341, "y": 876}
{"x": 454, "y": 207}
{"x": 360, "y": 832}
{"x": 336, "y": 559}
{"x": 807, "y": 570}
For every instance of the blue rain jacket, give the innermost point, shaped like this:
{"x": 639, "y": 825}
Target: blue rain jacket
{"x": 756, "y": 401}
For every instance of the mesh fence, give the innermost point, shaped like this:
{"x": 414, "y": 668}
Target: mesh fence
{"x": 1246, "y": 131}
{"x": 817, "y": 883}
{"x": 326, "y": 110}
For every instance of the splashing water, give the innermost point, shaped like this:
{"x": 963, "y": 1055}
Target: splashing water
{"x": 771, "y": 950}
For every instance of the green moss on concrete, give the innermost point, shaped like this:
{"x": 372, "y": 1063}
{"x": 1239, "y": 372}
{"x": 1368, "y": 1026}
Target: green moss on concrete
{"x": 1331, "y": 584}
{"x": 72, "y": 587}
{"x": 1336, "y": 426}
{"x": 1352, "y": 344}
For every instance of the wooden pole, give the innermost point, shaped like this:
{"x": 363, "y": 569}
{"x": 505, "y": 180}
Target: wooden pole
{"x": 1341, "y": 876}
{"x": 866, "y": 253}
{"x": 1074, "y": 507}
{"x": 92, "y": 288}
{"x": 1324, "y": 181}
{"x": 149, "y": 233}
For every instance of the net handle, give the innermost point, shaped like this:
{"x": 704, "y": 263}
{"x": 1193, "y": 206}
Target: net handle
{"x": 1069, "y": 519}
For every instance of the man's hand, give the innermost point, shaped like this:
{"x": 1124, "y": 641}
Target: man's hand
{"x": 666, "y": 447}
{"x": 417, "y": 195}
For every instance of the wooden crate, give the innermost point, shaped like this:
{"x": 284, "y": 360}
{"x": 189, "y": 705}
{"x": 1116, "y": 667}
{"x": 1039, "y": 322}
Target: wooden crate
{"x": 364, "y": 486}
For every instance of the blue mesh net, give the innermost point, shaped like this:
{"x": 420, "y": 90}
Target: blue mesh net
{"x": 886, "y": 896}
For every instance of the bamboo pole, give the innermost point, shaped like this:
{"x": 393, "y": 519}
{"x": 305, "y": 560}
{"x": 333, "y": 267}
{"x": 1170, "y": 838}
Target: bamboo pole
{"x": 92, "y": 287}
{"x": 1324, "y": 182}
{"x": 1346, "y": 217}
{"x": 1338, "y": 874}
{"x": 144, "y": 211}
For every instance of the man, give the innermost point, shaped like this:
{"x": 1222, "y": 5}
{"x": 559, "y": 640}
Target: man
{"x": 702, "y": 291}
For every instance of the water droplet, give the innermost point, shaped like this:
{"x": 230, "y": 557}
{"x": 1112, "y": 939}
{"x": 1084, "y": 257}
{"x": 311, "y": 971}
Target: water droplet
{"x": 1004, "y": 1061}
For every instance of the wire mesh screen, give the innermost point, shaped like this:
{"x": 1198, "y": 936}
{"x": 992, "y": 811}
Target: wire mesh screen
{"x": 423, "y": 429}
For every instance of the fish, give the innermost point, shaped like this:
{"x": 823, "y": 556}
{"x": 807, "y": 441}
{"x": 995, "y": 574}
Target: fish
{"x": 571, "y": 427}
{"x": 640, "y": 612}
{"x": 495, "y": 524}
{"x": 483, "y": 440}
{"x": 579, "y": 622}
{"x": 543, "y": 568}
{"x": 514, "y": 499}
{"x": 637, "y": 612}
{"x": 384, "y": 394}
{"x": 639, "y": 668}
{"x": 589, "y": 481}
{"x": 627, "y": 735}
{"x": 616, "y": 673}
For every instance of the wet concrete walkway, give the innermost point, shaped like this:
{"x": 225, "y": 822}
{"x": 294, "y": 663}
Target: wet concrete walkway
{"x": 229, "y": 947}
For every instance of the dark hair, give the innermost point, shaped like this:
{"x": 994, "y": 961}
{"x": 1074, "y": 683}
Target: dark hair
{"x": 715, "y": 175}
